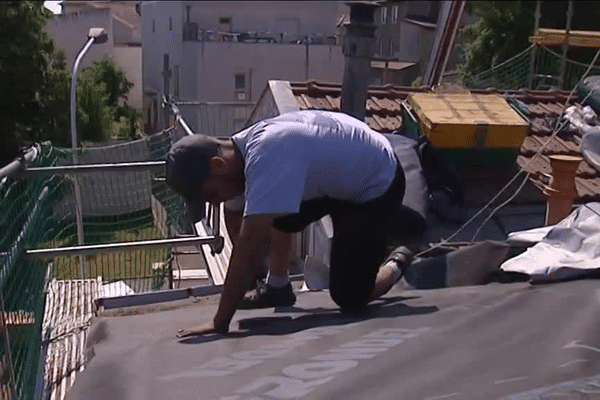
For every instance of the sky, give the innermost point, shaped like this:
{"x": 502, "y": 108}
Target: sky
{"x": 53, "y": 6}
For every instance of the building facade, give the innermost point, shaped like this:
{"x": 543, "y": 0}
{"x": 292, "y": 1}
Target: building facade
{"x": 405, "y": 32}
{"x": 225, "y": 52}
{"x": 122, "y": 24}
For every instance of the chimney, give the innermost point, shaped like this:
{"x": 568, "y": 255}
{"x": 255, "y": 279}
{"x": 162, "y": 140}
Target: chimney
{"x": 562, "y": 190}
{"x": 358, "y": 45}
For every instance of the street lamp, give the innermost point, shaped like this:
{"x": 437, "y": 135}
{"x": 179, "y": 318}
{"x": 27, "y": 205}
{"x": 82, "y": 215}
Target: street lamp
{"x": 95, "y": 35}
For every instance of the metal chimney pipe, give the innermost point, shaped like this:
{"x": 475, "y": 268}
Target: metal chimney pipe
{"x": 562, "y": 190}
{"x": 358, "y": 46}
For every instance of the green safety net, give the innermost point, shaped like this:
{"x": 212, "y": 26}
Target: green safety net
{"x": 516, "y": 72}
{"x": 39, "y": 212}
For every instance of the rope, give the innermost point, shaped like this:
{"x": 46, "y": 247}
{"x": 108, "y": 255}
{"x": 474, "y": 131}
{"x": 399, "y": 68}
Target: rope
{"x": 559, "y": 126}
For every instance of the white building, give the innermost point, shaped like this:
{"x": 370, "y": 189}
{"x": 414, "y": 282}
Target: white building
{"x": 123, "y": 26}
{"x": 226, "y": 52}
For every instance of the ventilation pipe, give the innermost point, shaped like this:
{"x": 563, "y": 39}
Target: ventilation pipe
{"x": 562, "y": 190}
{"x": 358, "y": 46}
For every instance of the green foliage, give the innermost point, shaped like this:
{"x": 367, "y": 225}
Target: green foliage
{"x": 26, "y": 67}
{"x": 35, "y": 81}
{"x": 504, "y": 27}
{"x": 116, "y": 84}
{"x": 501, "y": 32}
{"x": 55, "y": 101}
{"x": 103, "y": 112}
{"x": 94, "y": 115}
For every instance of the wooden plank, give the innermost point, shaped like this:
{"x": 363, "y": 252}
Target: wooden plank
{"x": 18, "y": 318}
{"x": 217, "y": 263}
{"x": 550, "y": 37}
{"x": 186, "y": 274}
{"x": 68, "y": 311}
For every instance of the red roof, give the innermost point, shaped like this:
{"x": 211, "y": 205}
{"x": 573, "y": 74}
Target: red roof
{"x": 541, "y": 107}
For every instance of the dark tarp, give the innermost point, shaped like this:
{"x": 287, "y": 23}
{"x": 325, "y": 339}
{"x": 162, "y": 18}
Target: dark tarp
{"x": 476, "y": 342}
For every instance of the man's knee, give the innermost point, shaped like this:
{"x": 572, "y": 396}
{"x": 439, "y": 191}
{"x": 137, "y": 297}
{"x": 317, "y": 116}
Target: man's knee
{"x": 350, "y": 300}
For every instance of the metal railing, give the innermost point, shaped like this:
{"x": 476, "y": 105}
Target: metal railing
{"x": 34, "y": 241}
{"x": 214, "y": 240}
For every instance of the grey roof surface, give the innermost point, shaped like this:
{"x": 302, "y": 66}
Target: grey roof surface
{"x": 476, "y": 342}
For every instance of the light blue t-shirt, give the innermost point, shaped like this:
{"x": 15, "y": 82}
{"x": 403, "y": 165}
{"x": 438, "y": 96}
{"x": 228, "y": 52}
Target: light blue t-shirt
{"x": 311, "y": 154}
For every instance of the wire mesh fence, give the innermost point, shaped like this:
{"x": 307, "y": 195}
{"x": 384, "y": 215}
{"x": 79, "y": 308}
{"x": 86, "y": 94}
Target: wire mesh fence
{"x": 516, "y": 72}
{"x": 38, "y": 212}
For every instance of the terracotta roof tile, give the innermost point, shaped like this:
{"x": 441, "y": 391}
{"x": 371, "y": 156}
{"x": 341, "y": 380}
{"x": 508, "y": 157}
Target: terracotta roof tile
{"x": 540, "y": 126}
{"x": 536, "y": 110}
{"x": 383, "y": 112}
{"x": 588, "y": 189}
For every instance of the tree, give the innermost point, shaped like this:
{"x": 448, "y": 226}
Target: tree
{"x": 117, "y": 86}
{"x": 504, "y": 27}
{"x": 35, "y": 83}
{"x": 94, "y": 114}
{"x": 103, "y": 112}
{"x": 28, "y": 65}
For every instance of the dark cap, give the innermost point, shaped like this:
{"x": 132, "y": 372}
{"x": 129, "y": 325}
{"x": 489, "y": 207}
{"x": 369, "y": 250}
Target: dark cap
{"x": 188, "y": 166}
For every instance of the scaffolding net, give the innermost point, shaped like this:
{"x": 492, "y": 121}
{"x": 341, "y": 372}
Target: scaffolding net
{"x": 537, "y": 67}
{"x": 38, "y": 212}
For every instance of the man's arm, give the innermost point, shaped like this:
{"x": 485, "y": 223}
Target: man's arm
{"x": 248, "y": 252}
{"x": 233, "y": 222}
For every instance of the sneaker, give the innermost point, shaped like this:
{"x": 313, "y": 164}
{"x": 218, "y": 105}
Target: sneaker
{"x": 403, "y": 258}
{"x": 265, "y": 296}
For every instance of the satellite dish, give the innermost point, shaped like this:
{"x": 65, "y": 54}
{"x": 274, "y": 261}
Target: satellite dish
{"x": 590, "y": 149}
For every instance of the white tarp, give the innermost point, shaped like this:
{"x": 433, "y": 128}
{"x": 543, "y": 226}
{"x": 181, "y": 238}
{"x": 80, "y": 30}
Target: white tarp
{"x": 569, "y": 249}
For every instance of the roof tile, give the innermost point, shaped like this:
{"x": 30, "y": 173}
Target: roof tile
{"x": 383, "y": 113}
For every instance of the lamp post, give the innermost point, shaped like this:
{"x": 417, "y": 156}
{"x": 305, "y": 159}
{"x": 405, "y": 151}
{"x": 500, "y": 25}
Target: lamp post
{"x": 95, "y": 35}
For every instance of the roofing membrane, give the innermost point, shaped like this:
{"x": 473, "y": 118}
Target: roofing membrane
{"x": 480, "y": 342}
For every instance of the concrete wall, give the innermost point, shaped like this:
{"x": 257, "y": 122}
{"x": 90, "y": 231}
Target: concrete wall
{"x": 205, "y": 71}
{"x": 218, "y": 63}
{"x": 70, "y": 33}
{"x": 160, "y": 38}
{"x": 216, "y": 119}
{"x": 130, "y": 59}
{"x": 124, "y": 33}
{"x": 298, "y": 17}
{"x": 411, "y": 38}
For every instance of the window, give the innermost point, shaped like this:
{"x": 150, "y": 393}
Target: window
{"x": 170, "y": 23}
{"x": 391, "y": 49}
{"x": 240, "y": 81}
{"x": 153, "y": 26}
{"x": 383, "y": 15}
{"x": 380, "y": 46}
{"x": 394, "y": 14}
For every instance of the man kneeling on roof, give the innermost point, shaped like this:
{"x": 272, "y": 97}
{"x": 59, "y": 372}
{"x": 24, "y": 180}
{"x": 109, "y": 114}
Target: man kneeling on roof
{"x": 291, "y": 171}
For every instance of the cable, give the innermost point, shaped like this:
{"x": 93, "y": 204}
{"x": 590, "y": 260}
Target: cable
{"x": 522, "y": 169}
{"x": 500, "y": 206}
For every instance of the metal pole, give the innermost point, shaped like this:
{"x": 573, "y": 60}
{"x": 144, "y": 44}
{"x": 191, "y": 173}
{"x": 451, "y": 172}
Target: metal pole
{"x": 460, "y": 5}
{"x": 358, "y": 47}
{"x": 563, "y": 63}
{"x": 155, "y": 166}
{"x": 77, "y": 190}
{"x": 19, "y": 164}
{"x": 115, "y": 247}
{"x": 306, "y": 57}
{"x": 538, "y": 15}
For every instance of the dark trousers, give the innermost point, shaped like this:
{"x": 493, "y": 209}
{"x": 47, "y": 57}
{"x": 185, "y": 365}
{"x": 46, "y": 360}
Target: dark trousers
{"x": 359, "y": 245}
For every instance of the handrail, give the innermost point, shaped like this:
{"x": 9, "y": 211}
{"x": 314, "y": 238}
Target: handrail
{"x": 156, "y": 166}
{"x": 18, "y": 165}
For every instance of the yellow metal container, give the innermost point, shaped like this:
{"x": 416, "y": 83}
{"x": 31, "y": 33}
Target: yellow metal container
{"x": 468, "y": 121}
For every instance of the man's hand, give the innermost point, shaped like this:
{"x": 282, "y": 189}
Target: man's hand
{"x": 204, "y": 329}
{"x": 248, "y": 251}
